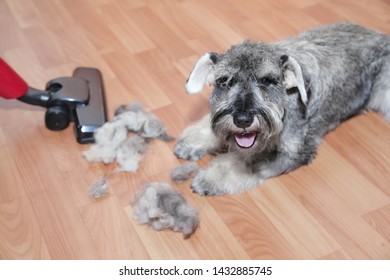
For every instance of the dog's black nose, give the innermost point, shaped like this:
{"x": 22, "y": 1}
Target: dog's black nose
{"x": 243, "y": 119}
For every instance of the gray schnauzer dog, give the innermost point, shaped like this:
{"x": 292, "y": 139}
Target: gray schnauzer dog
{"x": 272, "y": 104}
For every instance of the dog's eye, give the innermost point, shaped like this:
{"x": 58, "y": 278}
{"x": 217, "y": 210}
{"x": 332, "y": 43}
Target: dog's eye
{"x": 225, "y": 82}
{"x": 267, "y": 81}
{"x": 221, "y": 81}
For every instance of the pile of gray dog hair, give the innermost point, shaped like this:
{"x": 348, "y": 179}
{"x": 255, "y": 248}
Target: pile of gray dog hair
{"x": 125, "y": 140}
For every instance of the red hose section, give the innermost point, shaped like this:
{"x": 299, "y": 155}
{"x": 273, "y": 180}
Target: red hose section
{"x": 11, "y": 84}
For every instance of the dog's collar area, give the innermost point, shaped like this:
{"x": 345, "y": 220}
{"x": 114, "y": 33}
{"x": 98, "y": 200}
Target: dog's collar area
{"x": 245, "y": 140}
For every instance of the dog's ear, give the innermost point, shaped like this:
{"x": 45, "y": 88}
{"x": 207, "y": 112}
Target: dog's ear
{"x": 293, "y": 77}
{"x": 201, "y": 74}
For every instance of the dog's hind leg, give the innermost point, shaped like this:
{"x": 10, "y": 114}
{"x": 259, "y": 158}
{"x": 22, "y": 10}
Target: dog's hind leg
{"x": 380, "y": 95}
{"x": 196, "y": 141}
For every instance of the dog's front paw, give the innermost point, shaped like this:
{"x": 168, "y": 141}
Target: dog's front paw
{"x": 185, "y": 151}
{"x": 202, "y": 186}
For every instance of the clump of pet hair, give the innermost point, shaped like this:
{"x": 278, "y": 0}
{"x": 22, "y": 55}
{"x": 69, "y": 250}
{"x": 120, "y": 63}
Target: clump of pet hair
{"x": 131, "y": 152}
{"x": 110, "y": 136}
{"x": 153, "y": 128}
{"x": 132, "y": 121}
{"x": 112, "y": 142}
{"x": 137, "y": 120}
{"x": 107, "y": 139}
{"x": 162, "y": 207}
{"x": 129, "y": 156}
{"x": 134, "y": 107}
{"x": 99, "y": 188}
{"x": 184, "y": 172}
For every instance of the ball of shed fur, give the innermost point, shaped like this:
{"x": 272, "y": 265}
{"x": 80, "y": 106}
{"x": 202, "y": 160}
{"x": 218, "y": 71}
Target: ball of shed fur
{"x": 160, "y": 206}
{"x": 113, "y": 134}
{"x": 132, "y": 121}
{"x": 134, "y": 107}
{"x": 110, "y": 133}
{"x": 99, "y": 189}
{"x": 184, "y": 172}
{"x": 107, "y": 138}
{"x": 98, "y": 153}
{"x": 131, "y": 152}
{"x": 136, "y": 120}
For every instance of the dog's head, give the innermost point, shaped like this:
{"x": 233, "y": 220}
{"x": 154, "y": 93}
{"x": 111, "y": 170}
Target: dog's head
{"x": 250, "y": 82}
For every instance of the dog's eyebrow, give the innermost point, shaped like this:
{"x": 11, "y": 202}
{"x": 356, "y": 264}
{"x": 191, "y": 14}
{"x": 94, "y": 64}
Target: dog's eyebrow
{"x": 225, "y": 73}
{"x": 270, "y": 74}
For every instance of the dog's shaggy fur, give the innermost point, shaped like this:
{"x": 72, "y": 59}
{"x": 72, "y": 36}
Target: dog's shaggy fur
{"x": 160, "y": 206}
{"x": 272, "y": 104}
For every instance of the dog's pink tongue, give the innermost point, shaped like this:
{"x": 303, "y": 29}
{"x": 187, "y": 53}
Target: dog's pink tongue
{"x": 245, "y": 140}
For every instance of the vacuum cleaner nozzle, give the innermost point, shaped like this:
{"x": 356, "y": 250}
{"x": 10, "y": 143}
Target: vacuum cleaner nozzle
{"x": 88, "y": 117}
{"x": 80, "y": 99}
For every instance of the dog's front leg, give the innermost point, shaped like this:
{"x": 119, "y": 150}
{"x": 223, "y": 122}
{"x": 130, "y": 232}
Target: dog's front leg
{"x": 225, "y": 174}
{"x": 196, "y": 141}
{"x": 229, "y": 174}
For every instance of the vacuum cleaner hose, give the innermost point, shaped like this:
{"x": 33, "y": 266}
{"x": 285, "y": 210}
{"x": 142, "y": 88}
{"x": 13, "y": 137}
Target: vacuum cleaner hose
{"x": 11, "y": 84}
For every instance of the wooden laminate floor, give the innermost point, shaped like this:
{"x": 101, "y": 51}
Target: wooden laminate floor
{"x": 336, "y": 208}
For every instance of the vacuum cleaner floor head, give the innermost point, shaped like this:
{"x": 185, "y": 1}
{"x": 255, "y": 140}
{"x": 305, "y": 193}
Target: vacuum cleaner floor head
{"x": 79, "y": 99}
{"x": 93, "y": 115}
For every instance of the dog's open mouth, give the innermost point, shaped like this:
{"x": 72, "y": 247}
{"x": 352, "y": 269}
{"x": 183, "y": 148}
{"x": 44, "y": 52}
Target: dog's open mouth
{"x": 245, "y": 140}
